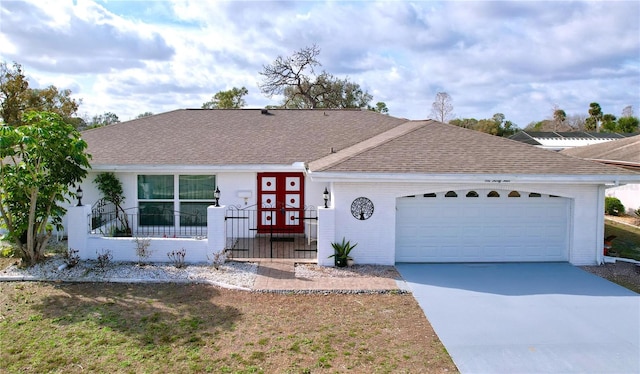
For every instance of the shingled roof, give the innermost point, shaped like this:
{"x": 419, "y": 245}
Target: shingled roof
{"x": 349, "y": 141}
{"x": 431, "y": 147}
{"x": 232, "y": 137}
{"x": 624, "y": 152}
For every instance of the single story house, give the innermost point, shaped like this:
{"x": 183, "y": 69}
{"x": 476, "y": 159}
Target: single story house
{"x": 559, "y": 140}
{"x": 404, "y": 190}
{"x": 624, "y": 153}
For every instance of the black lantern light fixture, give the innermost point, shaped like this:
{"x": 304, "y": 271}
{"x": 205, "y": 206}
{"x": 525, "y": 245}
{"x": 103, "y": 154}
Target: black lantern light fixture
{"x": 216, "y": 195}
{"x": 79, "y": 195}
{"x": 325, "y": 196}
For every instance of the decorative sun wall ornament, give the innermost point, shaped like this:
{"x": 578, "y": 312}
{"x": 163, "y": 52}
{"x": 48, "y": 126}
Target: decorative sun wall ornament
{"x": 362, "y": 208}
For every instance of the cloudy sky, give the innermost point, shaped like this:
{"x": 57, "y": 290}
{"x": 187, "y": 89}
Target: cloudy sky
{"x": 513, "y": 57}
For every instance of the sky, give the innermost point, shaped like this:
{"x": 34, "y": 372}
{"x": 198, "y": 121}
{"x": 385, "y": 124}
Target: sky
{"x": 518, "y": 58}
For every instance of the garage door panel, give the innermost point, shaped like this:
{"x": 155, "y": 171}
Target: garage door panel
{"x": 482, "y": 229}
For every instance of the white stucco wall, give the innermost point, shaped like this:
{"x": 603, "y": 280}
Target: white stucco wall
{"x": 376, "y": 236}
{"x": 629, "y": 196}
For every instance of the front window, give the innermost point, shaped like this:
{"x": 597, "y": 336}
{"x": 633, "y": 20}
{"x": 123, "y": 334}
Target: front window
{"x": 160, "y": 197}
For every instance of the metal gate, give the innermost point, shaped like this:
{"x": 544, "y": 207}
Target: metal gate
{"x": 246, "y": 240}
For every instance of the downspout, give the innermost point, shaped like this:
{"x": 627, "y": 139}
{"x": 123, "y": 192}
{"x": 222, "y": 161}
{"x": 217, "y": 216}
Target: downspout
{"x": 600, "y": 225}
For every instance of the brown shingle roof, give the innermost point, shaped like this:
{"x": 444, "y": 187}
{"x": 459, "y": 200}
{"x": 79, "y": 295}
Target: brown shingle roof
{"x": 365, "y": 142}
{"x": 436, "y": 148}
{"x": 626, "y": 151}
{"x": 231, "y": 137}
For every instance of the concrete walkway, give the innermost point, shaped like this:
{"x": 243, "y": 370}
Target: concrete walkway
{"x": 279, "y": 275}
{"x": 528, "y": 318}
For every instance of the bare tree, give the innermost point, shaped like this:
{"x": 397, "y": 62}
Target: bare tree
{"x": 295, "y": 77}
{"x": 442, "y": 107}
{"x": 576, "y": 121}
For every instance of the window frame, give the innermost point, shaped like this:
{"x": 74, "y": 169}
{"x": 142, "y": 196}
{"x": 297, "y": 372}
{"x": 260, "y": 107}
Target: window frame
{"x": 176, "y": 201}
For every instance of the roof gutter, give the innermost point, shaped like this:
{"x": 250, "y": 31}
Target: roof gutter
{"x": 610, "y": 179}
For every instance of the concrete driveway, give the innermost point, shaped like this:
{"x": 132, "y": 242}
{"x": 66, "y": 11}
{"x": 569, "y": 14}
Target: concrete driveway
{"x": 528, "y": 318}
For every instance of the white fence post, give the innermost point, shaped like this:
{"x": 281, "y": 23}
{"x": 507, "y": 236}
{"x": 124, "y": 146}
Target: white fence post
{"x": 78, "y": 229}
{"x": 216, "y": 234}
{"x": 326, "y": 235}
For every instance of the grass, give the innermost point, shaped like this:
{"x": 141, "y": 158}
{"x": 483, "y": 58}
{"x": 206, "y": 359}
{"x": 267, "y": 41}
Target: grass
{"x": 627, "y": 241}
{"x": 125, "y": 328}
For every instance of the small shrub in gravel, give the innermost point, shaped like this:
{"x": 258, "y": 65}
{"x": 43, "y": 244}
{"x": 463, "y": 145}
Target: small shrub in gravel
{"x": 218, "y": 258}
{"x": 104, "y": 258}
{"x": 177, "y": 257}
{"x": 71, "y": 257}
{"x": 142, "y": 249}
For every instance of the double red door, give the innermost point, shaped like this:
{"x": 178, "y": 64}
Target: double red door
{"x": 281, "y": 202}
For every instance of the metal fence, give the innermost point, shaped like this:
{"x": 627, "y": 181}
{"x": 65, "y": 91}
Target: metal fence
{"x": 109, "y": 220}
{"x": 247, "y": 239}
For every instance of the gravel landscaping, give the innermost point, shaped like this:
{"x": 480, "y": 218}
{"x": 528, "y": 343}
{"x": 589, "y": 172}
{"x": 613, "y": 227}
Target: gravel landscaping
{"x": 228, "y": 275}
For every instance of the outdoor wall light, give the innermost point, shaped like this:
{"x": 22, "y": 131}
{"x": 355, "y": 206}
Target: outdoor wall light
{"x": 216, "y": 195}
{"x": 79, "y": 195}
{"x": 325, "y": 196}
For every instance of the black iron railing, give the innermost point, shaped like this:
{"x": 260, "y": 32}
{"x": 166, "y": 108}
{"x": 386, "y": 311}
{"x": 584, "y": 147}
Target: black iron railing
{"x": 248, "y": 235}
{"x": 108, "y": 220}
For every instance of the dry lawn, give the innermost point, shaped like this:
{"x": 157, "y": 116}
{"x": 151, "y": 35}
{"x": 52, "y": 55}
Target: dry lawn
{"x": 99, "y": 327}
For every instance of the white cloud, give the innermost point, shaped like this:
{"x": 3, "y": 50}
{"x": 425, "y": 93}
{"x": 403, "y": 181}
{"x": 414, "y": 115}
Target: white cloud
{"x": 517, "y": 58}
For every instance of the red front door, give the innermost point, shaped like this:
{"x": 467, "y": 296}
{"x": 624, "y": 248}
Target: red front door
{"x": 281, "y": 202}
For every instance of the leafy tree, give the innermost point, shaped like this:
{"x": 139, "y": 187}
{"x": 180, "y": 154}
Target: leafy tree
{"x": 467, "y": 123}
{"x": 16, "y": 98}
{"x": 230, "y": 99}
{"x": 380, "y": 107}
{"x": 442, "y": 107}
{"x": 295, "y": 77}
{"x": 496, "y": 125}
{"x": 99, "y": 120}
{"x": 507, "y": 129}
{"x": 145, "y": 114}
{"x": 609, "y": 123}
{"x": 488, "y": 126}
{"x": 39, "y": 161}
{"x": 592, "y": 123}
{"x": 628, "y": 124}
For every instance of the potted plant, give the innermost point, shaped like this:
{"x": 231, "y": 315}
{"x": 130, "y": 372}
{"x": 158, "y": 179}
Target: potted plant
{"x": 342, "y": 251}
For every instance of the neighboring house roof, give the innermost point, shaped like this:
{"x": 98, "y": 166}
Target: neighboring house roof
{"x": 623, "y": 152}
{"x": 430, "y": 147}
{"x": 563, "y": 140}
{"x": 232, "y": 137}
{"x": 333, "y": 141}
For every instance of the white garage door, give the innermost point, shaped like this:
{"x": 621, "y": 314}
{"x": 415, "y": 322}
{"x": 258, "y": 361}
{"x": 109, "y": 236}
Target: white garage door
{"x": 482, "y": 226}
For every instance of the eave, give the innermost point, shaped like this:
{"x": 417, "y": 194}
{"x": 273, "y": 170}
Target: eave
{"x": 609, "y": 179}
{"x": 177, "y": 168}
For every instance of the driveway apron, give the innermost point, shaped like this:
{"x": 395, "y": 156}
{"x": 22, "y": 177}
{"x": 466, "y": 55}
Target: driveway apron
{"x": 528, "y": 317}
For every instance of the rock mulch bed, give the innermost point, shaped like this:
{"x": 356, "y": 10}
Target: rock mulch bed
{"x": 230, "y": 274}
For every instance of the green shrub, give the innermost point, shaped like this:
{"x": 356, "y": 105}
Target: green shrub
{"x": 613, "y": 206}
{"x": 7, "y": 252}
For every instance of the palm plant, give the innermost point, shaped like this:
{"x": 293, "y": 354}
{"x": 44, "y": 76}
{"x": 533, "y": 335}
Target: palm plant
{"x": 342, "y": 251}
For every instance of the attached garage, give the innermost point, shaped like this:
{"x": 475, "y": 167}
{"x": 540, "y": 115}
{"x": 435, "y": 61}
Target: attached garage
{"x": 482, "y": 226}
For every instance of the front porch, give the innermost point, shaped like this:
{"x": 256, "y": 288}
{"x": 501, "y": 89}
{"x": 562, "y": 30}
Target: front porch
{"x": 232, "y": 230}
{"x": 266, "y": 246}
